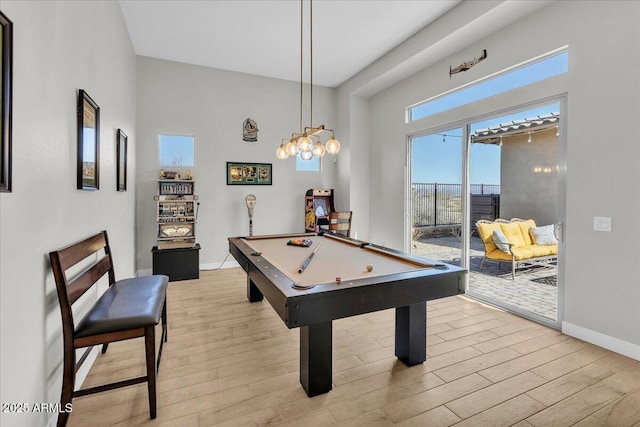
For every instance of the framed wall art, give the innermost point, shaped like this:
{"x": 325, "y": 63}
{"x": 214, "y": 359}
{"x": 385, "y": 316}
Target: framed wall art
{"x": 121, "y": 161}
{"x": 249, "y": 173}
{"x": 6, "y": 68}
{"x": 88, "y": 143}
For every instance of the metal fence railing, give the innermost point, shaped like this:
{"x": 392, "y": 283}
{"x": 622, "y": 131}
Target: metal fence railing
{"x": 441, "y": 204}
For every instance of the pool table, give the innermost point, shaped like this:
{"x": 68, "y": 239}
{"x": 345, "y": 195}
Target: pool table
{"x": 336, "y": 283}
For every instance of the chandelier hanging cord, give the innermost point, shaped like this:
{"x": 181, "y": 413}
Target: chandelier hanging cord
{"x": 301, "y": 60}
{"x": 300, "y": 143}
{"x": 311, "y": 62}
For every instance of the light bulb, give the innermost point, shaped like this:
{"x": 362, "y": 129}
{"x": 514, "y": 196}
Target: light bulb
{"x": 281, "y": 152}
{"x": 306, "y": 155}
{"x": 305, "y": 143}
{"x": 318, "y": 150}
{"x": 292, "y": 147}
{"x": 333, "y": 146}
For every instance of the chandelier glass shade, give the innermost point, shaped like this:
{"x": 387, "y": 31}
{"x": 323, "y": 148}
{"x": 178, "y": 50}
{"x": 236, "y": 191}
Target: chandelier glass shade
{"x": 301, "y": 142}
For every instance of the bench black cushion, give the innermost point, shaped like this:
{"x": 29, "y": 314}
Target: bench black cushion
{"x": 127, "y": 304}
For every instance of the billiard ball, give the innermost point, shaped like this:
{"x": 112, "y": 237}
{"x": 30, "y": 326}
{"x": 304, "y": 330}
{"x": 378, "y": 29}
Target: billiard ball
{"x": 338, "y": 280}
{"x": 369, "y": 267}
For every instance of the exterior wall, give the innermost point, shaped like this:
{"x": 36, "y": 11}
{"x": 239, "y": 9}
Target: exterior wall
{"x": 530, "y": 179}
{"x": 212, "y": 104}
{"x": 59, "y": 47}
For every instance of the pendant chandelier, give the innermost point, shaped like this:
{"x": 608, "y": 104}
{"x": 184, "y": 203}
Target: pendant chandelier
{"x": 307, "y": 140}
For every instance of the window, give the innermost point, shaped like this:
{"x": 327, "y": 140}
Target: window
{"x": 312, "y": 165}
{"x": 522, "y": 76}
{"x": 176, "y": 150}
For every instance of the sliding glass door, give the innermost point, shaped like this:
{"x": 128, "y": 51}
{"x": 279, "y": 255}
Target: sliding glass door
{"x": 501, "y": 167}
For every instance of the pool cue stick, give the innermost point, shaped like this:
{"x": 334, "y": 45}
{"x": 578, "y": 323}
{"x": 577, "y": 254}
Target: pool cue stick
{"x": 306, "y": 263}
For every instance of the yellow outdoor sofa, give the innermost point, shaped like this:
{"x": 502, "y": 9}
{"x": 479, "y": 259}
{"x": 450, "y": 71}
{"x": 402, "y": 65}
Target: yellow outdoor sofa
{"x": 518, "y": 241}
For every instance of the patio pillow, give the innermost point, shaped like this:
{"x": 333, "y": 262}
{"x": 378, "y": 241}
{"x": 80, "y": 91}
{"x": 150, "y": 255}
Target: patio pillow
{"x": 543, "y": 236}
{"x": 501, "y": 240}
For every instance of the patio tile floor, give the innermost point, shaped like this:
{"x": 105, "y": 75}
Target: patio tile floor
{"x": 492, "y": 282}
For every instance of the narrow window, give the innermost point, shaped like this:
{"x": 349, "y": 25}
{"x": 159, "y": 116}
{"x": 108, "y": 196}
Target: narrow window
{"x": 522, "y": 76}
{"x": 176, "y": 150}
{"x": 312, "y": 165}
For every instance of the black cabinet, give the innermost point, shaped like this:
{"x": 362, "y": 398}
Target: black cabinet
{"x": 178, "y": 263}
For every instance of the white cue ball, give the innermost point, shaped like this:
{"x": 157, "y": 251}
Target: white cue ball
{"x": 369, "y": 267}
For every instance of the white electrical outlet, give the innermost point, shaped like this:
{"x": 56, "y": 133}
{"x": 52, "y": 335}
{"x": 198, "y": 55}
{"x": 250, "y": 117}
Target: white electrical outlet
{"x": 602, "y": 223}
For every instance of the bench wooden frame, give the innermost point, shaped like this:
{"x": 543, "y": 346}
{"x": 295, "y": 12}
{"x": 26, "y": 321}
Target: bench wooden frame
{"x": 129, "y": 324}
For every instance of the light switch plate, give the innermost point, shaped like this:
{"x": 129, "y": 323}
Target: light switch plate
{"x": 602, "y": 223}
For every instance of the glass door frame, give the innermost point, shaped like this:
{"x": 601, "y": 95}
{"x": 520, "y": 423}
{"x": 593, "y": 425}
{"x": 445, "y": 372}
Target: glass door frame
{"x": 465, "y": 227}
{"x": 465, "y": 125}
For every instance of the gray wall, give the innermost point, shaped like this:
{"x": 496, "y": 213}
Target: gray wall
{"x": 59, "y": 47}
{"x": 212, "y": 104}
{"x": 601, "y": 298}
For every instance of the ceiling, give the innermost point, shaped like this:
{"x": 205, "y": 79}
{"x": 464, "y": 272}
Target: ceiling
{"x": 263, "y": 36}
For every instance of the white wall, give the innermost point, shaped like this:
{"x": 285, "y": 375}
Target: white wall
{"x": 59, "y": 47}
{"x": 602, "y": 295}
{"x": 212, "y": 105}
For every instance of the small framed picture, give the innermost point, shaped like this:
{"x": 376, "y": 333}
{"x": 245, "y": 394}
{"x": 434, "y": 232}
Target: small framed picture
{"x": 249, "y": 173}
{"x": 88, "y": 174}
{"x": 121, "y": 163}
{"x": 6, "y": 68}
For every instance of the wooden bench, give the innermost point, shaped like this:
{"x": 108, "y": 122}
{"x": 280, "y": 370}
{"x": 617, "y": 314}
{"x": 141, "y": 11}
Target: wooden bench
{"x": 129, "y": 308}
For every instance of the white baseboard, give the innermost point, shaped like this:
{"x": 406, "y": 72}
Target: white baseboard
{"x": 614, "y": 344}
{"x": 217, "y": 265}
{"x": 207, "y": 266}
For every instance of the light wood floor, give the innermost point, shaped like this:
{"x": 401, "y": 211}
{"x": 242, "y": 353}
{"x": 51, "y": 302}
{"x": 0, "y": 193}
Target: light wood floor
{"x": 229, "y": 362}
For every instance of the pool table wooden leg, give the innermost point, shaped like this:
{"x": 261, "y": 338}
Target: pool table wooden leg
{"x": 411, "y": 333}
{"x": 253, "y": 293}
{"x": 315, "y": 358}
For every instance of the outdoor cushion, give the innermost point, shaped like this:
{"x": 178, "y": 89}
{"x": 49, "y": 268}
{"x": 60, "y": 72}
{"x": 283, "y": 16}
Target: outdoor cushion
{"x": 512, "y": 231}
{"x": 539, "y": 250}
{"x": 500, "y": 240}
{"x": 519, "y": 254}
{"x": 486, "y": 234}
{"x": 525, "y": 226}
{"x": 544, "y": 235}
{"x": 497, "y": 254}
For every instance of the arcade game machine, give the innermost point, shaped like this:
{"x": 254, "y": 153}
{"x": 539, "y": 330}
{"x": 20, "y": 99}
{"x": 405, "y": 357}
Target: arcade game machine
{"x": 318, "y": 204}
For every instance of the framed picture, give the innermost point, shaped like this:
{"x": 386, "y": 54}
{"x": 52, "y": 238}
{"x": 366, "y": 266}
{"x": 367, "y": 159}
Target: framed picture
{"x": 88, "y": 142}
{"x": 249, "y": 173}
{"x": 6, "y": 68}
{"x": 121, "y": 162}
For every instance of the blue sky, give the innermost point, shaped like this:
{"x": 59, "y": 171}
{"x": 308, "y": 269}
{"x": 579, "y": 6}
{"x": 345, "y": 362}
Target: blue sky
{"x": 176, "y": 150}
{"x": 435, "y": 161}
